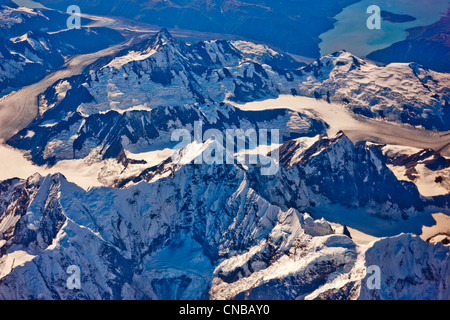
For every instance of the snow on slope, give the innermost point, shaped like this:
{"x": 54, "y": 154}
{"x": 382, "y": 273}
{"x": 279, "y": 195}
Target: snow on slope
{"x": 440, "y": 232}
{"x": 407, "y": 93}
{"x": 183, "y": 231}
{"x": 428, "y": 170}
{"x": 233, "y": 244}
{"x": 167, "y": 72}
{"x": 356, "y": 128}
{"x": 14, "y": 165}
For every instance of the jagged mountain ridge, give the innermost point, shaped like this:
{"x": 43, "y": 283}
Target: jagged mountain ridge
{"x": 77, "y": 123}
{"x": 129, "y": 235}
{"x": 242, "y": 71}
{"x": 36, "y": 53}
{"x": 334, "y": 169}
{"x": 401, "y": 92}
{"x": 166, "y": 73}
{"x": 108, "y": 134}
{"x": 163, "y": 72}
{"x": 33, "y": 55}
{"x": 242, "y": 232}
{"x": 18, "y": 20}
{"x": 317, "y": 171}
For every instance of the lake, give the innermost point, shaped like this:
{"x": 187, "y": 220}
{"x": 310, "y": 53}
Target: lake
{"x": 351, "y": 33}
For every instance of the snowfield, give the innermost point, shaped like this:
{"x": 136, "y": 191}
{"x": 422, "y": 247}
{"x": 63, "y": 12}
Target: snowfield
{"x": 363, "y": 175}
{"x": 357, "y": 128}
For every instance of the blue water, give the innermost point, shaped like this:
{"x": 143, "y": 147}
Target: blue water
{"x": 351, "y": 33}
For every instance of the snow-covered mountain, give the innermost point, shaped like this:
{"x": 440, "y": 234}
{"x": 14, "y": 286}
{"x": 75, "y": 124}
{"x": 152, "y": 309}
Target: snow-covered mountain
{"x": 32, "y": 55}
{"x": 163, "y": 227}
{"x": 28, "y": 58}
{"x": 164, "y": 72}
{"x": 35, "y": 42}
{"x": 334, "y": 169}
{"x": 428, "y": 168}
{"x": 402, "y": 92}
{"x": 167, "y": 72}
{"x": 17, "y": 21}
{"x": 179, "y": 238}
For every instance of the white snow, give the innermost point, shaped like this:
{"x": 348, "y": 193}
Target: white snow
{"x": 356, "y": 128}
{"x": 78, "y": 171}
{"x": 253, "y": 49}
{"x": 337, "y": 116}
{"x": 152, "y": 158}
{"x": 425, "y": 179}
{"x": 439, "y": 231}
{"x": 61, "y": 89}
{"x": 361, "y": 237}
{"x": 12, "y": 260}
{"x": 30, "y": 134}
{"x": 119, "y": 62}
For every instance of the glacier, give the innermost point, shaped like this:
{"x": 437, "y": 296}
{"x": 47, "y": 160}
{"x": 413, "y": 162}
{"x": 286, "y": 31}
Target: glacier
{"x": 148, "y": 225}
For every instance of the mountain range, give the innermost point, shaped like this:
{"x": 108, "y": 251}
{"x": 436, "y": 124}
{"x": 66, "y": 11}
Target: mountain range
{"x": 349, "y": 196}
{"x": 28, "y": 56}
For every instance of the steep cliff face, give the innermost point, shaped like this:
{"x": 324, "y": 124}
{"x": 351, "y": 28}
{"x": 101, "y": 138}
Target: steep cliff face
{"x": 198, "y": 80}
{"x": 321, "y": 171}
{"x": 168, "y": 228}
{"x": 182, "y": 238}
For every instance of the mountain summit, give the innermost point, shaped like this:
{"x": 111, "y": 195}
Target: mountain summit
{"x": 346, "y": 197}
